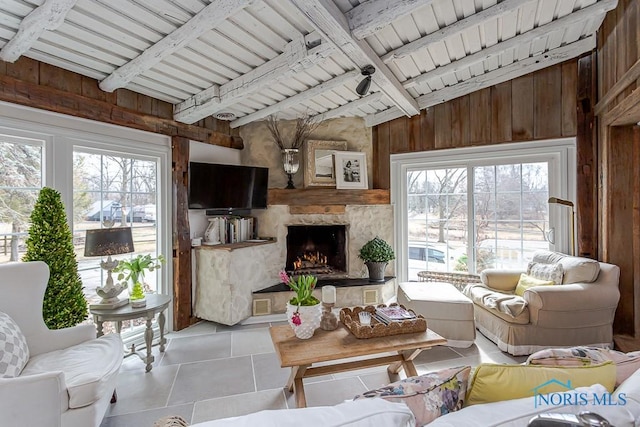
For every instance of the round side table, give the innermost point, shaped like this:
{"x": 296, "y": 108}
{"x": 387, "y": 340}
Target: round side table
{"x": 156, "y": 304}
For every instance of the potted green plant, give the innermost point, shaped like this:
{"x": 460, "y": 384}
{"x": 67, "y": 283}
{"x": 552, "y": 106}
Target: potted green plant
{"x": 134, "y": 270}
{"x": 50, "y": 240}
{"x": 303, "y": 310}
{"x": 376, "y": 254}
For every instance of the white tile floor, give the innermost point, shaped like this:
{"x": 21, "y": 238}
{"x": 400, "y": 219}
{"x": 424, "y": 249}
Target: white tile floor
{"x": 212, "y": 371}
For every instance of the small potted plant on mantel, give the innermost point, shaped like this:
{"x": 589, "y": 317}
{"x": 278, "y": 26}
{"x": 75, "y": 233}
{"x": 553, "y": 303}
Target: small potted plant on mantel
{"x": 376, "y": 254}
{"x": 134, "y": 270}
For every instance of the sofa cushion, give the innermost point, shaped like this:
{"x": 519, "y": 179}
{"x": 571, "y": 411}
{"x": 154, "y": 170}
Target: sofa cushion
{"x": 14, "y": 352}
{"x": 358, "y": 413}
{"x": 509, "y": 307}
{"x": 576, "y": 269}
{"x": 518, "y": 412}
{"x": 428, "y": 396}
{"x": 626, "y": 364}
{"x": 527, "y": 282}
{"x": 87, "y": 367}
{"x": 541, "y": 271}
{"x": 492, "y": 382}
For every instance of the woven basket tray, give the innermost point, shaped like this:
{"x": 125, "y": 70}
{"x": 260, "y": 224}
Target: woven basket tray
{"x": 349, "y": 318}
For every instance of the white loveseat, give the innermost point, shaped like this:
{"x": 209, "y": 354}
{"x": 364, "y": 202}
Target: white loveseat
{"x": 70, "y": 375}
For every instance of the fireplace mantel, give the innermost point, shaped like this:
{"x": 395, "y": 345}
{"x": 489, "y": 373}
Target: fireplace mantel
{"x": 327, "y": 196}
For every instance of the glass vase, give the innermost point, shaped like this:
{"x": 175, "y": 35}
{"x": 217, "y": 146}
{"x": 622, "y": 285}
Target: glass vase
{"x": 291, "y": 164}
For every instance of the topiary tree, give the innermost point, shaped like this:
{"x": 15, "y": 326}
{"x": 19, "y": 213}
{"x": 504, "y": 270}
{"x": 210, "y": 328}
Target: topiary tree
{"x": 50, "y": 240}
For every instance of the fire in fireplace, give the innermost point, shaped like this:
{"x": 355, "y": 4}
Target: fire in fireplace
{"x": 317, "y": 249}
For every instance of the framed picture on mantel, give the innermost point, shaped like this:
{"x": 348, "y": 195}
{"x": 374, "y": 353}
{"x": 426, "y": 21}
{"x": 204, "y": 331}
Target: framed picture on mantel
{"x": 319, "y": 168}
{"x": 351, "y": 170}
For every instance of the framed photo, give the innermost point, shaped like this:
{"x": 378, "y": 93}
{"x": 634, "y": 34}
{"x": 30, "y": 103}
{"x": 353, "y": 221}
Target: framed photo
{"x": 351, "y": 170}
{"x": 319, "y": 170}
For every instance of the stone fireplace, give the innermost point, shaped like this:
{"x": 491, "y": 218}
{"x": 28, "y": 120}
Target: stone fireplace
{"x": 320, "y": 250}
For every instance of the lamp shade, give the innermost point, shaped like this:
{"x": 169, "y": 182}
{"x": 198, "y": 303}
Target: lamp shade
{"x": 108, "y": 241}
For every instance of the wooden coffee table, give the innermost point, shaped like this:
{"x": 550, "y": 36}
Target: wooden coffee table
{"x": 331, "y": 346}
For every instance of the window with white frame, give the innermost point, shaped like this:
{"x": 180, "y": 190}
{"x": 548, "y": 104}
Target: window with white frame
{"x": 118, "y": 173}
{"x": 473, "y": 208}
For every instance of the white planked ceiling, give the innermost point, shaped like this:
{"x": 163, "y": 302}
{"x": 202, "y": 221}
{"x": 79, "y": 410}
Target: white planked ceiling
{"x": 253, "y": 58}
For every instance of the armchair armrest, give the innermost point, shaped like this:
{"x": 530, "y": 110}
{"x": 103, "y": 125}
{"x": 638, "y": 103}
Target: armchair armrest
{"x": 51, "y": 340}
{"x": 33, "y": 400}
{"x": 576, "y": 304}
{"x": 499, "y": 279}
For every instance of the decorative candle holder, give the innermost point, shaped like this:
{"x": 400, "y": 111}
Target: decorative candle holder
{"x": 329, "y": 321}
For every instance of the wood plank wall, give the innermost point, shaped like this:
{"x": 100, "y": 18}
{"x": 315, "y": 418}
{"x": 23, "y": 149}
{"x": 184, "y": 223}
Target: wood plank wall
{"x": 538, "y": 106}
{"x": 619, "y": 150}
{"x": 39, "y": 85}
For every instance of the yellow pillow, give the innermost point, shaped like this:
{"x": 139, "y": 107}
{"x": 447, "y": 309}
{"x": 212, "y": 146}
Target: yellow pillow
{"x": 527, "y": 282}
{"x": 494, "y": 383}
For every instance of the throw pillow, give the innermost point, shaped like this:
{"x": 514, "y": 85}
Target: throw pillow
{"x": 541, "y": 271}
{"x": 429, "y": 395}
{"x": 626, "y": 363}
{"x": 527, "y": 282}
{"x": 14, "y": 352}
{"x": 493, "y": 383}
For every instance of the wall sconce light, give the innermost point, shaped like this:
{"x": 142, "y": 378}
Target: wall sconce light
{"x": 363, "y": 87}
{"x": 561, "y": 202}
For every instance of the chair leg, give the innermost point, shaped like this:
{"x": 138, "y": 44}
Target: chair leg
{"x": 114, "y": 397}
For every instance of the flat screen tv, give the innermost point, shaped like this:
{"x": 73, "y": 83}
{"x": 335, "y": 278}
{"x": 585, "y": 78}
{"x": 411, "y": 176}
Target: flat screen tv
{"x": 227, "y": 187}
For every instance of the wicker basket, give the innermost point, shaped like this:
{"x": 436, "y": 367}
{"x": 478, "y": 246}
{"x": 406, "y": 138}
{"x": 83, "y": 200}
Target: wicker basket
{"x": 350, "y": 318}
{"x": 459, "y": 280}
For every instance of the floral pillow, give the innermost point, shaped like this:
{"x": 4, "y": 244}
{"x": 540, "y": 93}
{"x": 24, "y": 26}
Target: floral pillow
{"x": 428, "y": 396}
{"x": 552, "y": 272}
{"x": 626, "y": 363}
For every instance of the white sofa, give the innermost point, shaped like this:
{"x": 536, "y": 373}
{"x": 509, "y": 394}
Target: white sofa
{"x": 380, "y": 413}
{"x": 70, "y": 375}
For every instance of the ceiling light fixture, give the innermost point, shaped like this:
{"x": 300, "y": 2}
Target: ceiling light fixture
{"x": 363, "y": 87}
{"x": 224, "y": 115}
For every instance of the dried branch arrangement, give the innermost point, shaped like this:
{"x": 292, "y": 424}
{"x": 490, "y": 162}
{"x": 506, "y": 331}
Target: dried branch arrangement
{"x": 304, "y": 127}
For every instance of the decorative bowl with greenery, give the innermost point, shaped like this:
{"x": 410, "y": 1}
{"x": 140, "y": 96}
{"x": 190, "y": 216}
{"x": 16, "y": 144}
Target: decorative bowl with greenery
{"x": 134, "y": 270}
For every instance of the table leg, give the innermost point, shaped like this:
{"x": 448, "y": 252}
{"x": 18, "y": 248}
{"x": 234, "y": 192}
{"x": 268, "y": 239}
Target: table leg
{"x": 98, "y": 323}
{"x": 161, "y": 325}
{"x": 295, "y": 385}
{"x": 406, "y": 363}
{"x": 148, "y": 339}
{"x": 118, "y": 327}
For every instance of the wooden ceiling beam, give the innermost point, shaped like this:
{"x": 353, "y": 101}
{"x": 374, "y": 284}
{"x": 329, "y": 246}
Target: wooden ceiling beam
{"x": 208, "y": 18}
{"x": 333, "y": 26}
{"x": 345, "y": 108}
{"x": 296, "y": 99}
{"x": 500, "y": 75}
{"x": 598, "y": 9}
{"x": 48, "y": 16}
{"x": 373, "y": 15}
{"x": 457, "y": 27}
{"x": 295, "y": 58}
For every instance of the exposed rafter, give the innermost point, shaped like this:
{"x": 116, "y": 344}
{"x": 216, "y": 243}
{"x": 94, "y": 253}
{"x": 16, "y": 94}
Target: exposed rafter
{"x": 349, "y": 106}
{"x": 48, "y": 16}
{"x": 491, "y": 78}
{"x": 373, "y": 15}
{"x": 296, "y": 57}
{"x": 596, "y": 9}
{"x": 205, "y": 20}
{"x": 457, "y": 27}
{"x": 325, "y": 16}
{"x": 297, "y": 99}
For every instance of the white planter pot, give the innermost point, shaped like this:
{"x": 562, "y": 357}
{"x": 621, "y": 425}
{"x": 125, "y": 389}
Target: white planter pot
{"x": 309, "y": 319}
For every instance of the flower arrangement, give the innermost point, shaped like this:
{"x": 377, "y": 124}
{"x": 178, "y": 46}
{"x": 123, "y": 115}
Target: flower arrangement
{"x": 134, "y": 270}
{"x": 303, "y": 286}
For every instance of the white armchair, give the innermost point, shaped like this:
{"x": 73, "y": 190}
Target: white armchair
{"x": 70, "y": 375}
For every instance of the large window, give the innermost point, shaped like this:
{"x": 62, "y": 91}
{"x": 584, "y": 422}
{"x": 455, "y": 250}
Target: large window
{"x": 105, "y": 174}
{"x": 470, "y": 209}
